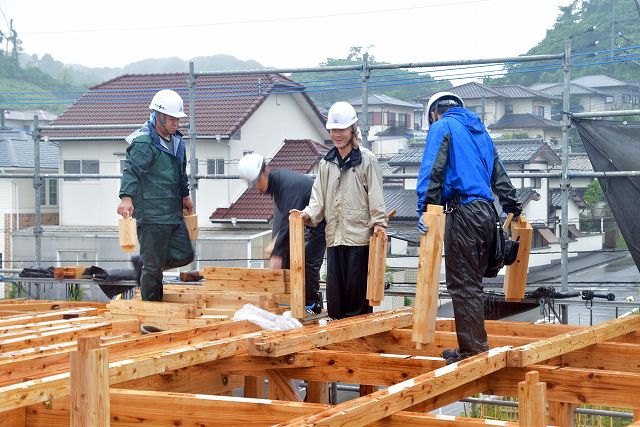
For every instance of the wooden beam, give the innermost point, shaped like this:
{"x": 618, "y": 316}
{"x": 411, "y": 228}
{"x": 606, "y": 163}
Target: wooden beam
{"x": 14, "y": 418}
{"x": 361, "y": 368}
{"x": 570, "y": 341}
{"x": 192, "y": 379}
{"x": 48, "y": 316}
{"x": 280, "y": 388}
{"x": 296, "y": 244}
{"x": 246, "y": 279}
{"x": 428, "y": 282}
{"x": 479, "y": 385}
{"x": 53, "y": 337}
{"x": 34, "y": 391}
{"x": 403, "y": 419}
{"x": 89, "y": 394}
{"x": 152, "y": 308}
{"x": 383, "y": 403}
{"x": 532, "y": 401}
{"x": 279, "y": 343}
{"x": 575, "y": 386}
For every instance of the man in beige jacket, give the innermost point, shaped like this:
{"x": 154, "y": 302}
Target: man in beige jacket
{"x": 347, "y": 193}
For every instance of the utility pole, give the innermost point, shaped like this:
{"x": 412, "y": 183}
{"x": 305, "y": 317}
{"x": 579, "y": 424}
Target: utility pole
{"x": 613, "y": 26}
{"x": 364, "y": 77}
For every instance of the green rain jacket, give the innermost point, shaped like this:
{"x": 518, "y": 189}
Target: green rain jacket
{"x": 155, "y": 178}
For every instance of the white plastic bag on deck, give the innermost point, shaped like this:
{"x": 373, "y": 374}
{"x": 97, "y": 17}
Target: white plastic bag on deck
{"x": 266, "y": 319}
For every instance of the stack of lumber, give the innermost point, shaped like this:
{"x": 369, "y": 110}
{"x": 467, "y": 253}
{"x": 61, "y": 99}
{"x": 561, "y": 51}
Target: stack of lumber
{"x": 216, "y": 299}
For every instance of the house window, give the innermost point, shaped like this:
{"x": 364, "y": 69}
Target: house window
{"x": 77, "y": 257}
{"x": 81, "y": 167}
{"x": 391, "y": 119}
{"x": 245, "y": 152}
{"x": 215, "y": 166}
{"x": 123, "y": 164}
{"x": 49, "y": 193}
{"x": 402, "y": 120}
{"x": 508, "y": 109}
{"x": 540, "y": 111}
{"x": 608, "y": 99}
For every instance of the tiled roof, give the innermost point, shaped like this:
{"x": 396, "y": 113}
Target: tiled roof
{"x": 509, "y": 150}
{"x": 375, "y": 99}
{"x": 598, "y": 81}
{"x": 396, "y": 131}
{"x": 577, "y": 162}
{"x": 300, "y": 155}
{"x": 16, "y": 151}
{"x": 556, "y": 89}
{"x": 223, "y": 103}
{"x": 556, "y": 199}
{"x": 410, "y": 156}
{"x": 474, "y": 90}
{"x": 404, "y": 201}
{"x": 524, "y": 121}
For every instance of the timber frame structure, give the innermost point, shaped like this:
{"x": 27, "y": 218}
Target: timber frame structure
{"x": 81, "y": 364}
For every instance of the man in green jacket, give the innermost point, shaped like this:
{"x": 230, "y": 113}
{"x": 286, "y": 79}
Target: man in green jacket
{"x": 154, "y": 189}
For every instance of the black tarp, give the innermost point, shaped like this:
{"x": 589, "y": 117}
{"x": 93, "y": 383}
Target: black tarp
{"x": 615, "y": 146}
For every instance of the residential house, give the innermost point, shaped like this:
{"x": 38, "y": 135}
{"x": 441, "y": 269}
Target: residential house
{"x": 251, "y": 216}
{"x": 17, "y": 195}
{"x": 392, "y": 122}
{"x": 235, "y": 115}
{"x": 526, "y": 125}
{"x": 582, "y": 98}
{"x": 492, "y": 103}
{"x": 621, "y": 95}
{"x": 23, "y": 119}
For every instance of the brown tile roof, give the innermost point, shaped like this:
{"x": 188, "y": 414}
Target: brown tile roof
{"x": 300, "y": 155}
{"x": 223, "y": 103}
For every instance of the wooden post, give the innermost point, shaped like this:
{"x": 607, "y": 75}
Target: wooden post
{"x": 376, "y": 268}
{"x": 89, "y": 394}
{"x": 127, "y": 234}
{"x": 191, "y": 221}
{"x": 317, "y": 392}
{"x": 561, "y": 413}
{"x": 532, "y": 401}
{"x": 296, "y": 245}
{"x": 428, "y": 284}
{"x": 367, "y": 389}
{"x": 254, "y": 387}
{"x": 515, "y": 278}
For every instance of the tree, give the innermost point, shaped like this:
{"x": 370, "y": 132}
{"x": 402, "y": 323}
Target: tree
{"x": 594, "y": 194}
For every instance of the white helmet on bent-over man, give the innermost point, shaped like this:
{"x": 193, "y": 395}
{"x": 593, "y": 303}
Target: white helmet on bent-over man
{"x": 168, "y": 102}
{"x": 250, "y": 167}
{"x": 442, "y": 98}
{"x": 341, "y": 116}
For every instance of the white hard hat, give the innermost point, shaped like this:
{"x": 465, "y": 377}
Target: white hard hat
{"x": 249, "y": 168}
{"x": 341, "y": 116}
{"x": 441, "y": 98}
{"x": 168, "y": 102}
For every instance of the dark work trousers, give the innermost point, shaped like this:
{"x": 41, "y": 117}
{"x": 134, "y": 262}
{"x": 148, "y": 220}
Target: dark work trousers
{"x": 469, "y": 233}
{"x": 315, "y": 245}
{"x": 347, "y": 281}
{"x": 162, "y": 247}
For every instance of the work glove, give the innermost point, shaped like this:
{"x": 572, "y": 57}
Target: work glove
{"x": 513, "y": 209}
{"x": 422, "y": 227}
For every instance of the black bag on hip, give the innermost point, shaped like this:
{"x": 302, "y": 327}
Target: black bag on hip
{"x": 503, "y": 251}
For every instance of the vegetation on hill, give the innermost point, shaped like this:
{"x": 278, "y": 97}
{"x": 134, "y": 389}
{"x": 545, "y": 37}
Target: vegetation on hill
{"x": 325, "y": 88}
{"x": 604, "y": 39}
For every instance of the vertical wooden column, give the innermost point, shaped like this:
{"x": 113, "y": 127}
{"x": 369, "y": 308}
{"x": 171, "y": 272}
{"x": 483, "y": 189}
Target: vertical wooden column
{"x": 515, "y": 278}
{"x": 532, "y": 401}
{"x": 296, "y": 244}
{"x": 89, "y": 397}
{"x": 428, "y": 284}
{"x": 376, "y": 268}
{"x": 254, "y": 387}
{"x": 561, "y": 413}
{"x": 317, "y": 392}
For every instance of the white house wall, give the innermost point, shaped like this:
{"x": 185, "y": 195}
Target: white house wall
{"x": 278, "y": 118}
{"x": 91, "y": 202}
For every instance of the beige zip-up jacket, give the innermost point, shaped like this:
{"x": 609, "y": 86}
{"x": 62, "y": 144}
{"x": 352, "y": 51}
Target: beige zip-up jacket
{"x": 350, "y": 199}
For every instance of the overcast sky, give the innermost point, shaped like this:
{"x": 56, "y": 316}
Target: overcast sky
{"x": 276, "y": 33}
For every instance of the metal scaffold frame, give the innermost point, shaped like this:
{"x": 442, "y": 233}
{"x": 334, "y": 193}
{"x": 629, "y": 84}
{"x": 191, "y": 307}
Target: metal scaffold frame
{"x": 365, "y": 70}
